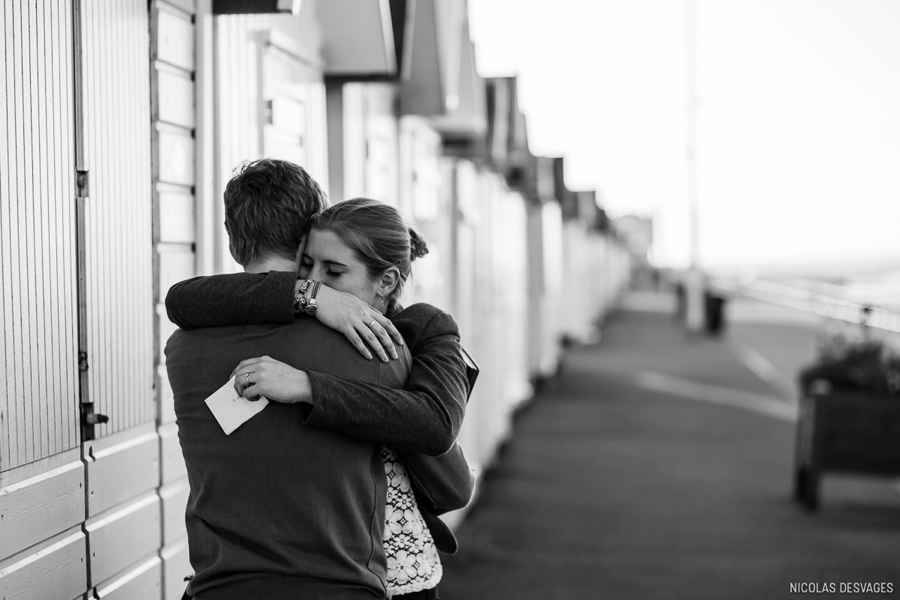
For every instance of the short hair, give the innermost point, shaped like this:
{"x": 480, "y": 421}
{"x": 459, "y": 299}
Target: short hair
{"x": 378, "y": 235}
{"x": 268, "y": 204}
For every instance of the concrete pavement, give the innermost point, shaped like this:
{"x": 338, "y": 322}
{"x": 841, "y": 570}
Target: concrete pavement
{"x": 615, "y": 486}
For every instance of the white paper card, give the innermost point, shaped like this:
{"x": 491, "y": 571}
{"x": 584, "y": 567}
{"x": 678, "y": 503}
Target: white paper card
{"x": 231, "y": 410}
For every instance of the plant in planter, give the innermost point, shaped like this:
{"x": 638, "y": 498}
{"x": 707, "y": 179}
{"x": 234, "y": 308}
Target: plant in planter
{"x": 849, "y": 415}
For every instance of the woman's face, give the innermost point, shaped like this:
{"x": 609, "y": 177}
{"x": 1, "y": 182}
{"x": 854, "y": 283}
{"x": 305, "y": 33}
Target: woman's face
{"x": 329, "y": 260}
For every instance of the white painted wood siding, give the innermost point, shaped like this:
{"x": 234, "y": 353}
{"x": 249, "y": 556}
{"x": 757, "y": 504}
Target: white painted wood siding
{"x": 261, "y": 59}
{"x": 38, "y": 357}
{"x": 174, "y": 90}
{"x": 116, "y": 79}
{"x": 174, "y": 117}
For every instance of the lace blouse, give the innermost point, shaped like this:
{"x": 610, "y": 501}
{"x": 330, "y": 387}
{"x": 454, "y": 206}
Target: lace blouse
{"x": 412, "y": 558}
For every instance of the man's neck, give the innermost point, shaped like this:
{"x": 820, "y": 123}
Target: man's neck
{"x": 275, "y": 263}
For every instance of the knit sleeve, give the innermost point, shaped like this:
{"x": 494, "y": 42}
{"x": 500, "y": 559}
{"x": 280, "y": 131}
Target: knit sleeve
{"x": 236, "y": 299}
{"x": 443, "y": 483}
{"x": 425, "y": 416}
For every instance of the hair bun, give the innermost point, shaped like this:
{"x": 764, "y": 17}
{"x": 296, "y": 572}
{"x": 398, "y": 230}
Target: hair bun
{"x": 417, "y": 246}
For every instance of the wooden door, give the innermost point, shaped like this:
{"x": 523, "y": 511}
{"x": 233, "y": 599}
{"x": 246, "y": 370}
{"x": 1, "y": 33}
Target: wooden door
{"x": 79, "y": 511}
{"x": 42, "y": 497}
{"x": 270, "y": 97}
{"x": 292, "y": 106}
{"x": 116, "y": 340}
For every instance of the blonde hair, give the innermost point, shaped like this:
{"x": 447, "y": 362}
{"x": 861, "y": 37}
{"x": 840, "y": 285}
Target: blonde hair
{"x": 378, "y": 235}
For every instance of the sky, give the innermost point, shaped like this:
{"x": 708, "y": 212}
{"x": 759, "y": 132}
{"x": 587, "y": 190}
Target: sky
{"x": 797, "y": 122}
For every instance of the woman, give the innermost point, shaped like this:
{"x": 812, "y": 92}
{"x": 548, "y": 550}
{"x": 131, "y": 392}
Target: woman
{"x": 362, "y": 247}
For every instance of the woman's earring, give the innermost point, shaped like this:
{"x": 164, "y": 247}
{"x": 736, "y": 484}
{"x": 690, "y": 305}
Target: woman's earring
{"x": 380, "y": 298}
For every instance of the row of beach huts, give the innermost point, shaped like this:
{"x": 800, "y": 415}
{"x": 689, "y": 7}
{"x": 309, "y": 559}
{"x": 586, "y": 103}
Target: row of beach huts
{"x": 123, "y": 121}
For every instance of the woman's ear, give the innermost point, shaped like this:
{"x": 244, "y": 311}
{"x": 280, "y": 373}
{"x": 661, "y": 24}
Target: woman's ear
{"x": 389, "y": 281}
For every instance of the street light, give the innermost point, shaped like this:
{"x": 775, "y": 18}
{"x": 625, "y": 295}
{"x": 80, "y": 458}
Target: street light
{"x": 694, "y": 284}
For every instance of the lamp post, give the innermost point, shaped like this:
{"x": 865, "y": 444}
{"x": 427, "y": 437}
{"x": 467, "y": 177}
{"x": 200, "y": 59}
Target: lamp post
{"x": 694, "y": 281}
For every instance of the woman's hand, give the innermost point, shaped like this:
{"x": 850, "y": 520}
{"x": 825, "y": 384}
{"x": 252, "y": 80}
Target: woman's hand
{"x": 362, "y": 324}
{"x": 273, "y": 379}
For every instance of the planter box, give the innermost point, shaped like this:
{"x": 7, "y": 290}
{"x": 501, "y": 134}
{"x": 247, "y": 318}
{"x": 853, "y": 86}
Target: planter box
{"x": 844, "y": 432}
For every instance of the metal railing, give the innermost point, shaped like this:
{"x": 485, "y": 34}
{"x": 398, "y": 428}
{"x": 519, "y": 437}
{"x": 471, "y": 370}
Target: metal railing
{"x": 852, "y": 304}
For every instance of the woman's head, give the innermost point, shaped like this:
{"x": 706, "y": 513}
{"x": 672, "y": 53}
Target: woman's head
{"x": 362, "y": 247}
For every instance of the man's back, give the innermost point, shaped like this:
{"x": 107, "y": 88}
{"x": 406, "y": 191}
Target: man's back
{"x": 278, "y": 508}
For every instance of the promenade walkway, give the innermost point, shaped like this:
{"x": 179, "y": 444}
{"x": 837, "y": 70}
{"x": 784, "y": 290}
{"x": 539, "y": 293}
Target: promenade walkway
{"x": 659, "y": 466}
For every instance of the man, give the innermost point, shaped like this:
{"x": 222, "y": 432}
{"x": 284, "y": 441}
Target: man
{"x": 291, "y": 504}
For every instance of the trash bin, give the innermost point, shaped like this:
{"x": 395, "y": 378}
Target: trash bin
{"x": 714, "y": 312}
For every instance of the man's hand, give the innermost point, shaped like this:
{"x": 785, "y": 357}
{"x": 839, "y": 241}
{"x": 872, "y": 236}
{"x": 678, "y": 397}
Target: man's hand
{"x": 273, "y": 379}
{"x": 363, "y": 325}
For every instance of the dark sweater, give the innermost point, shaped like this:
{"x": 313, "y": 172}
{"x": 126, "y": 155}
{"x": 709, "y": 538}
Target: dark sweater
{"x": 278, "y": 508}
{"x": 437, "y": 382}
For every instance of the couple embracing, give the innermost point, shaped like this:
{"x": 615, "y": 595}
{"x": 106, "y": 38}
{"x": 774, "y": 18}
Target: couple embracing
{"x": 333, "y": 490}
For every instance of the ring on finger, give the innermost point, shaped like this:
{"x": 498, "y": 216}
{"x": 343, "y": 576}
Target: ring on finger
{"x": 247, "y": 375}
{"x": 372, "y": 324}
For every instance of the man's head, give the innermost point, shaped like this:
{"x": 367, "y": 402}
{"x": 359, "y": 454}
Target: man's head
{"x": 268, "y": 203}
